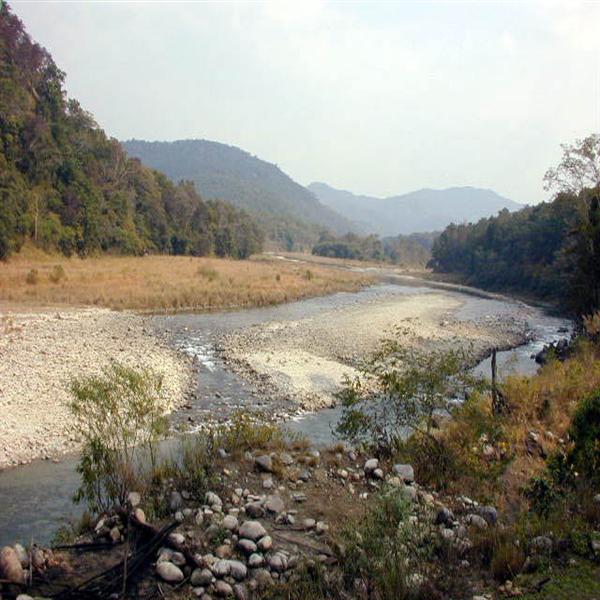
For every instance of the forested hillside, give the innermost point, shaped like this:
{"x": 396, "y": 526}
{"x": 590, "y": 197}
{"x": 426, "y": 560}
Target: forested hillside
{"x": 422, "y": 210}
{"x": 65, "y": 185}
{"x": 550, "y": 251}
{"x": 288, "y": 211}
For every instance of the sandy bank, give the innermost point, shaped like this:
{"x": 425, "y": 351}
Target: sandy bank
{"x": 40, "y": 353}
{"x": 307, "y": 359}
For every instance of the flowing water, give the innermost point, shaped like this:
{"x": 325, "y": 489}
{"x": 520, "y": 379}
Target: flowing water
{"x": 36, "y": 498}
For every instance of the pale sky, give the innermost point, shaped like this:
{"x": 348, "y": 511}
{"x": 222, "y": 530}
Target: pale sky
{"x": 376, "y": 98}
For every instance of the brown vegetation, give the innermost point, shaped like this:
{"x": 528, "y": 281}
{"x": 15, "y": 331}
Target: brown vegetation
{"x": 166, "y": 283}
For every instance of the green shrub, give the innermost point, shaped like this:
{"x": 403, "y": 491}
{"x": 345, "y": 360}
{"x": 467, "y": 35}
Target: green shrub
{"x": 400, "y": 390}
{"x": 584, "y": 432}
{"x": 120, "y": 417}
{"x": 249, "y": 431}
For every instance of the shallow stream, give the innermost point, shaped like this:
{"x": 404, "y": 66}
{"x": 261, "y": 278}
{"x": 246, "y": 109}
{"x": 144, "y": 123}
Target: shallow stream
{"x": 36, "y": 498}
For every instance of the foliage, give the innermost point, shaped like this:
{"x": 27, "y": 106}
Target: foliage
{"x": 119, "y": 414}
{"x": 579, "y": 167}
{"x": 550, "y": 251}
{"x": 412, "y": 250}
{"x": 249, "y": 431}
{"x": 457, "y": 460}
{"x": 400, "y": 390}
{"x": 584, "y": 455}
{"x": 65, "y": 185}
{"x": 386, "y": 549}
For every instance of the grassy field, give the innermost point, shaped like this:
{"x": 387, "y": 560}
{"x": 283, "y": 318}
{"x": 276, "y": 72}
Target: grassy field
{"x": 169, "y": 283}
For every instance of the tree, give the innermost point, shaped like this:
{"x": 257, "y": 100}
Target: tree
{"x": 400, "y": 390}
{"x": 579, "y": 167}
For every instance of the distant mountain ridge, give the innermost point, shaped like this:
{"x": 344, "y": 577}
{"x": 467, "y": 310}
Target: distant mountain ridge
{"x": 422, "y": 210}
{"x": 227, "y": 172}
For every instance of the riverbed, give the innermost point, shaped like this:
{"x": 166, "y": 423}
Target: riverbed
{"x": 35, "y": 498}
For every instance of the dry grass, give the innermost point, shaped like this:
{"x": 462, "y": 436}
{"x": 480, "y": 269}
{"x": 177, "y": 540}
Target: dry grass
{"x": 165, "y": 283}
{"x": 545, "y": 404}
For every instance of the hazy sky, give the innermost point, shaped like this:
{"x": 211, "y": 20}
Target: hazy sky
{"x": 376, "y": 98}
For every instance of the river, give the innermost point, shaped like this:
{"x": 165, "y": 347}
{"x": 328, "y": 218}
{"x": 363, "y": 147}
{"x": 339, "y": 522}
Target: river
{"x": 36, "y": 498}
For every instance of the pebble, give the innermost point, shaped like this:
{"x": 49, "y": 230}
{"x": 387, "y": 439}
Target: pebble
{"x": 253, "y": 530}
{"x": 264, "y": 463}
{"x": 169, "y": 572}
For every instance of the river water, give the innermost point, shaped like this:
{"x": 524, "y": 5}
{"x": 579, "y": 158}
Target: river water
{"x": 35, "y": 499}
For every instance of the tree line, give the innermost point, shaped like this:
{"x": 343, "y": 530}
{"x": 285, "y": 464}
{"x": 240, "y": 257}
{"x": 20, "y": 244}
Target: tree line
{"x": 409, "y": 250}
{"x": 65, "y": 185}
{"x": 550, "y": 251}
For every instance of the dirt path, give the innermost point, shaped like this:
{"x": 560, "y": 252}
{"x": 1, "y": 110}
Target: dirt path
{"x": 41, "y": 352}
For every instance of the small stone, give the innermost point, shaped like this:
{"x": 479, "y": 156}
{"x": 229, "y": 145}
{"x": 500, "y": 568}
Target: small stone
{"x": 476, "y": 521}
{"x": 238, "y": 570}
{"x": 246, "y": 546}
{"x": 263, "y": 578}
{"x": 10, "y": 566}
{"x": 178, "y": 559}
{"x": 169, "y": 572}
{"x": 371, "y": 465}
{"x": 274, "y": 504}
{"x": 268, "y": 484}
{"x": 255, "y": 510}
{"x": 378, "y": 474}
{"x": 253, "y": 530}
{"x": 179, "y": 516}
{"x": 230, "y": 522}
{"x": 321, "y": 527}
{"x": 223, "y": 589}
{"x": 489, "y": 513}
{"x": 309, "y": 523}
{"x": 409, "y": 492}
{"x": 134, "y": 499}
{"x": 278, "y": 562}
{"x": 256, "y": 560}
{"x": 201, "y": 577}
{"x": 221, "y": 568}
{"x": 115, "y": 535}
{"x": 175, "y": 501}
{"x": 240, "y": 591}
{"x": 265, "y": 543}
{"x": 264, "y": 463}
{"x": 139, "y": 515}
{"x": 177, "y": 538}
{"x": 212, "y": 499}
{"x": 444, "y": 517}
{"x": 406, "y": 472}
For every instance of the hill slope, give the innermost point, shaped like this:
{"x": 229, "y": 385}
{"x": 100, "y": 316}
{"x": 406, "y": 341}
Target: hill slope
{"x": 423, "y": 210}
{"x": 231, "y": 174}
{"x": 64, "y": 184}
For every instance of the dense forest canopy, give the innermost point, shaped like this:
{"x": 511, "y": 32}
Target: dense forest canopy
{"x": 289, "y": 213}
{"x": 407, "y": 250}
{"x": 65, "y": 185}
{"x": 550, "y": 251}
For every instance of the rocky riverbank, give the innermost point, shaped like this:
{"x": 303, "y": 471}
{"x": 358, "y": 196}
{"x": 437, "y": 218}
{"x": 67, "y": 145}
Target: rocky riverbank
{"x": 42, "y": 351}
{"x": 272, "y": 518}
{"x": 307, "y": 359}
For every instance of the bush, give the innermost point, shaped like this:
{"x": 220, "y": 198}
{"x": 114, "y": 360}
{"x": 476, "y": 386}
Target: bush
{"x": 584, "y": 455}
{"x": 120, "y": 418}
{"x": 32, "y": 277}
{"x": 401, "y": 390}
{"x": 57, "y": 274}
{"x": 386, "y": 549}
{"x": 249, "y": 431}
